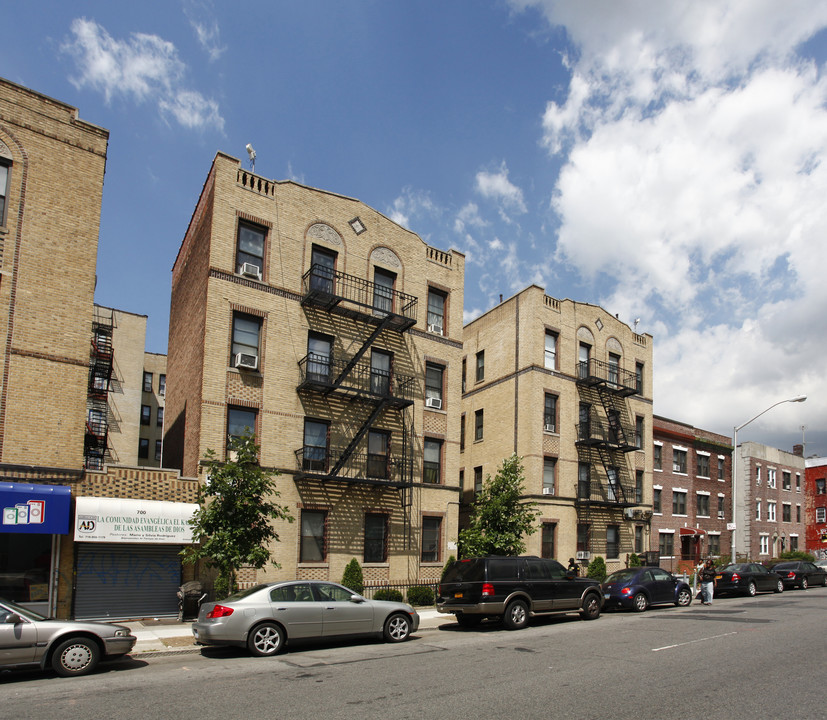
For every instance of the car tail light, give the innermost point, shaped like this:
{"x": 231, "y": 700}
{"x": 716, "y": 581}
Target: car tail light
{"x": 735, "y": 577}
{"x": 487, "y": 589}
{"x": 791, "y": 574}
{"x": 219, "y": 611}
{"x": 626, "y": 591}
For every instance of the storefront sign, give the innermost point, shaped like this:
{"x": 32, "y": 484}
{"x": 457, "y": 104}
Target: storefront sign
{"x": 115, "y": 520}
{"x": 43, "y": 509}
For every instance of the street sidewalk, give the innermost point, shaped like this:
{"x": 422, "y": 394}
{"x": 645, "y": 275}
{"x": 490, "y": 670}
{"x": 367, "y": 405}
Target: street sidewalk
{"x": 168, "y": 635}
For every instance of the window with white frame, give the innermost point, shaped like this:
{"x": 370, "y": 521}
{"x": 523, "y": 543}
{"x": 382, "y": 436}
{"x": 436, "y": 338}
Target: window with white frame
{"x": 757, "y": 474}
{"x": 786, "y": 512}
{"x": 703, "y": 465}
{"x": 550, "y": 360}
{"x": 770, "y": 511}
{"x": 656, "y": 500}
{"x": 786, "y": 480}
{"x": 436, "y": 311}
{"x": 666, "y": 544}
{"x": 757, "y": 509}
{"x": 702, "y": 502}
{"x": 721, "y": 515}
{"x": 658, "y": 456}
{"x": 549, "y": 474}
{"x": 679, "y": 502}
{"x": 821, "y": 514}
{"x": 764, "y": 545}
{"x": 721, "y": 469}
{"x": 714, "y": 544}
{"x": 771, "y": 477}
{"x": 798, "y": 482}
{"x": 679, "y": 460}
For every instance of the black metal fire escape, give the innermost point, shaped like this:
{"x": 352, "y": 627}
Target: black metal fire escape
{"x": 95, "y": 450}
{"x": 605, "y": 434}
{"x": 353, "y": 378}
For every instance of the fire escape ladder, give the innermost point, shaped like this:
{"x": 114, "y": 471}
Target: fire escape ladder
{"x": 360, "y": 433}
{"x": 95, "y": 449}
{"x": 359, "y": 354}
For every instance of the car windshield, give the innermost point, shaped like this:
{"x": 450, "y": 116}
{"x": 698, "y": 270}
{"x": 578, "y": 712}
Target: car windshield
{"x": 621, "y": 576}
{"x": 465, "y": 571}
{"x": 23, "y": 612}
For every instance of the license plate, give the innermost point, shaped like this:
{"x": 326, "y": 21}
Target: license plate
{"x": 458, "y": 595}
{"x": 718, "y": 577}
{"x": 607, "y": 596}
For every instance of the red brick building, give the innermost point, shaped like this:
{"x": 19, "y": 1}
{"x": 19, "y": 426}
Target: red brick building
{"x": 815, "y": 507}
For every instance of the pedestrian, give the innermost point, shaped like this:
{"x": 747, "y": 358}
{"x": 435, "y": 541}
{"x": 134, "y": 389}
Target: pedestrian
{"x": 572, "y": 568}
{"x": 707, "y": 582}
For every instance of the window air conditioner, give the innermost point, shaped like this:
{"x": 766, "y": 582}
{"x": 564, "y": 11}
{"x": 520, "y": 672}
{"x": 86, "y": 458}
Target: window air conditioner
{"x": 582, "y": 555}
{"x": 548, "y": 427}
{"x": 435, "y": 329}
{"x": 434, "y": 402}
{"x": 250, "y": 270}
{"x": 546, "y": 491}
{"x": 629, "y": 513}
{"x": 247, "y": 362}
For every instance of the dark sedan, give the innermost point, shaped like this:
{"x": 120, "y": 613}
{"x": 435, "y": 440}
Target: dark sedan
{"x": 747, "y": 579}
{"x": 797, "y": 573}
{"x": 639, "y": 587}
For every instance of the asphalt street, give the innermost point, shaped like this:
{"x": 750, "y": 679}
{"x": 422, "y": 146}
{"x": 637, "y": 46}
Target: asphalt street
{"x": 740, "y": 658}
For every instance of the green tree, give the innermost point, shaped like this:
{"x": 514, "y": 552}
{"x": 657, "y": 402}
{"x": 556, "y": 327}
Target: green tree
{"x": 233, "y": 527}
{"x": 499, "y": 518}
{"x": 353, "y": 578}
{"x": 597, "y": 569}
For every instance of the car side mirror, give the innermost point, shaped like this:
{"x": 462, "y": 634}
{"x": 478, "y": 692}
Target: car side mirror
{"x": 13, "y": 619}
{"x": 356, "y": 598}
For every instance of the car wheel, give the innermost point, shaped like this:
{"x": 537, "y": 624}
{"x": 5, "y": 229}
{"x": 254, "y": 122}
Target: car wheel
{"x": 516, "y": 615}
{"x": 469, "y": 621}
{"x": 779, "y": 586}
{"x": 397, "y": 628}
{"x": 639, "y": 602}
{"x": 265, "y": 639}
{"x": 75, "y": 656}
{"x": 684, "y": 598}
{"x": 591, "y": 607}
{"x": 751, "y": 589}
{"x": 804, "y": 583}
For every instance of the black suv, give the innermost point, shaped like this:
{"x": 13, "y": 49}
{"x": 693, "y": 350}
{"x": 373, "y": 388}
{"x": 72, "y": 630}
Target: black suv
{"x": 513, "y": 589}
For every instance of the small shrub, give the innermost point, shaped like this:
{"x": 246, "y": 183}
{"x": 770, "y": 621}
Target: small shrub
{"x": 388, "y": 594}
{"x": 451, "y": 560}
{"x": 634, "y": 560}
{"x": 420, "y": 595}
{"x": 597, "y": 569}
{"x": 353, "y": 578}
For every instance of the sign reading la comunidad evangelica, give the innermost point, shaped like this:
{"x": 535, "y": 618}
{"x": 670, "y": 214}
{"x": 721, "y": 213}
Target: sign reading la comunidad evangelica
{"x": 120, "y": 520}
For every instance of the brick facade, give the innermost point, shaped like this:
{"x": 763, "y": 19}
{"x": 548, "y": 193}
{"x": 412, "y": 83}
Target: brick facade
{"x": 815, "y": 512}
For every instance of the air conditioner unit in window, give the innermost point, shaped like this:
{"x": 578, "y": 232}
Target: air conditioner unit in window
{"x": 250, "y": 270}
{"x": 547, "y": 491}
{"x": 582, "y": 555}
{"x": 548, "y": 427}
{"x": 434, "y": 402}
{"x": 629, "y": 513}
{"x": 435, "y": 329}
{"x": 247, "y": 362}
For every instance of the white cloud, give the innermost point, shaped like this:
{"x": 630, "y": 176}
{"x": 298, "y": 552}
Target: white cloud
{"x": 411, "y": 204}
{"x": 496, "y": 186}
{"x": 694, "y": 149}
{"x": 201, "y": 17}
{"x": 145, "y": 68}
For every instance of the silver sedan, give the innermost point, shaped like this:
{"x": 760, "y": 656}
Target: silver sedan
{"x": 70, "y": 647}
{"x": 265, "y": 617}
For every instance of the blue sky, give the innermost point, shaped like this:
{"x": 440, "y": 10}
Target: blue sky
{"x": 663, "y": 160}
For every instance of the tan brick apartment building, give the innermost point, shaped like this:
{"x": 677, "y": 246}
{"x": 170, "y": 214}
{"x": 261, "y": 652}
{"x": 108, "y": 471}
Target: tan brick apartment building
{"x": 336, "y": 335}
{"x": 568, "y": 387}
{"x": 692, "y": 494}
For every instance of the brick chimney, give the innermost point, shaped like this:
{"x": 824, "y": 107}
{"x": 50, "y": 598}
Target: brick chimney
{"x": 798, "y": 450}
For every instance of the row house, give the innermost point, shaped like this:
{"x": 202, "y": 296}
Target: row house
{"x": 691, "y": 491}
{"x": 567, "y": 387}
{"x": 815, "y": 512}
{"x": 335, "y": 335}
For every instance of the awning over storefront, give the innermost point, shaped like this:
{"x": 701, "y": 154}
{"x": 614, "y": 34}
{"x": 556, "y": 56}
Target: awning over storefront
{"x": 692, "y": 531}
{"x": 44, "y": 509}
{"x": 119, "y": 520}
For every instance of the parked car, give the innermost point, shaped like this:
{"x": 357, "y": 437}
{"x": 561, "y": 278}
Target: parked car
{"x": 513, "y": 589}
{"x": 70, "y": 647}
{"x": 822, "y": 564}
{"x": 265, "y": 617}
{"x": 798, "y": 573}
{"x": 748, "y": 578}
{"x": 639, "y": 587}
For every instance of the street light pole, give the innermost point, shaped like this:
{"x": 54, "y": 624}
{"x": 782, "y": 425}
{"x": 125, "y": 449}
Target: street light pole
{"x": 798, "y": 398}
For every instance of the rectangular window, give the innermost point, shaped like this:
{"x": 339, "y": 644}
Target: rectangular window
{"x": 667, "y": 545}
{"x": 658, "y": 456}
{"x": 821, "y": 486}
{"x": 703, "y": 466}
{"x": 614, "y": 369}
{"x": 638, "y": 432}
{"x": 550, "y": 413}
{"x": 462, "y": 433}
{"x": 434, "y": 378}
{"x": 678, "y": 461}
{"x": 249, "y": 256}
{"x": 770, "y": 511}
{"x": 322, "y": 271}
{"x": 240, "y": 421}
{"x": 378, "y": 454}
{"x": 319, "y": 356}
{"x": 702, "y": 505}
{"x": 639, "y": 378}
{"x": 656, "y": 500}
{"x": 678, "y": 502}
{"x": 549, "y": 474}
{"x": 798, "y": 482}
{"x": 383, "y": 284}
{"x": 477, "y": 480}
{"x": 162, "y": 384}
{"x": 583, "y": 537}
{"x": 821, "y": 514}
{"x": 315, "y": 445}
{"x": 798, "y": 513}
{"x": 786, "y": 512}
{"x": 245, "y": 342}
{"x": 431, "y": 545}
{"x": 158, "y": 450}
{"x": 159, "y": 417}
{"x": 720, "y": 469}
{"x": 376, "y": 538}
{"x": 584, "y": 426}
{"x": 551, "y": 351}
{"x": 313, "y": 539}
{"x": 583, "y": 358}
{"x": 613, "y": 475}
{"x": 770, "y": 477}
{"x": 547, "y": 540}
{"x": 478, "y": 422}
{"x": 380, "y": 372}
{"x": 143, "y": 448}
{"x": 764, "y": 545}
{"x": 4, "y": 188}
{"x": 757, "y": 509}
{"x": 721, "y": 512}
{"x": 480, "y": 366}
{"x": 757, "y": 474}
{"x": 638, "y": 486}
{"x": 432, "y": 461}
{"x": 584, "y": 489}
{"x": 436, "y": 311}
{"x": 793, "y": 543}
{"x": 464, "y": 369}
{"x": 146, "y": 414}
{"x": 714, "y": 544}
{"x": 638, "y": 539}
{"x": 147, "y": 381}
{"x": 786, "y": 480}
{"x": 612, "y": 541}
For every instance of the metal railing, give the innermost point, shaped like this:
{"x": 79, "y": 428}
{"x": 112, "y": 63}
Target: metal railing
{"x": 322, "y": 372}
{"x": 391, "y": 469}
{"x": 598, "y": 372}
